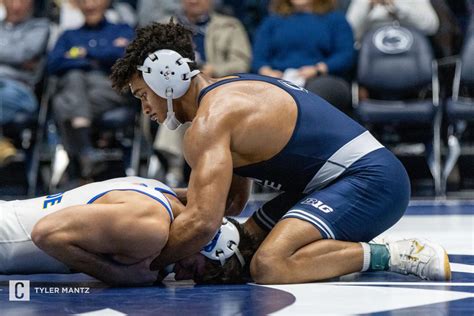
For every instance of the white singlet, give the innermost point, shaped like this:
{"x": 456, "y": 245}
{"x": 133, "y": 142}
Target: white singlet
{"x": 19, "y": 255}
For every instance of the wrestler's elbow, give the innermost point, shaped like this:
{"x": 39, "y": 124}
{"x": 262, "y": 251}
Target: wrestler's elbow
{"x": 204, "y": 227}
{"x": 44, "y": 236}
{"x": 206, "y": 230}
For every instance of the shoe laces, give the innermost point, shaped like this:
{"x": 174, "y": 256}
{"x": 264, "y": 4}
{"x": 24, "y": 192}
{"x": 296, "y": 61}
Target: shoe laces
{"x": 412, "y": 261}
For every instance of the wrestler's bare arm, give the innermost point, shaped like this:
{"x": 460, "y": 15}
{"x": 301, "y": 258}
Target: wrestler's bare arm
{"x": 207, "y": 150}
{"x": 86, "y": 237}
{"x": 237, "y": 198}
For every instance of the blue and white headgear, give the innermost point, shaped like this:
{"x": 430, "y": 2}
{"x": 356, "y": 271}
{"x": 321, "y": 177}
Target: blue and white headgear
{"x": 224, "y": 244}
{"x": 168, "y": 74}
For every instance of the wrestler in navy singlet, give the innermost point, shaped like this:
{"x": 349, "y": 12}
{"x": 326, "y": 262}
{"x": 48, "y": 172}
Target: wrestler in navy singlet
{"x": 333, "y": 172}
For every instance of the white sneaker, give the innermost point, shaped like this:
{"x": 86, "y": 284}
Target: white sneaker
{"x": 420, "y": 257}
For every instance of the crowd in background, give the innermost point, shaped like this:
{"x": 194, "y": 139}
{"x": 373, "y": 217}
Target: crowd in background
{"x": 312, "y": 43}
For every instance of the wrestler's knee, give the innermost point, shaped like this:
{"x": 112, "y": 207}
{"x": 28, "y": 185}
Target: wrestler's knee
{"x": 267, "y": 267}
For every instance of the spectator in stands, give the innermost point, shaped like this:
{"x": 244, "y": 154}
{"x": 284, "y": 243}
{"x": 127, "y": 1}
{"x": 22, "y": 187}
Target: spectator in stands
{"x": 309, "y": 43}
{"x": 82, "y": 58}
{"x": 23, "y": 41}
{"x": 71, "y": 17}
{"x": 222, "y": 45}
{"x": 364, "y": 15}
{"x": 222, "y": 48}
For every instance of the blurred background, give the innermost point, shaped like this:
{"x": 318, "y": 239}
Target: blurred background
{"x": 402, "y": 68}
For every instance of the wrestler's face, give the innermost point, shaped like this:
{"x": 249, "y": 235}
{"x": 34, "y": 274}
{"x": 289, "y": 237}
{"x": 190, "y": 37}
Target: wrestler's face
{"x": 190, "y": 267}
{"x": 152, "y": 105}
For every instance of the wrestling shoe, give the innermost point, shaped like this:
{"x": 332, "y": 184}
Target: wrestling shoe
{"x": 422, "y": 258}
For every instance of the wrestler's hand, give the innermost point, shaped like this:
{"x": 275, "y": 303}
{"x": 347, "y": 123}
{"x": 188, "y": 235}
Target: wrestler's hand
{"x": 308, "y": 72}
{"x": 189, "y": 267}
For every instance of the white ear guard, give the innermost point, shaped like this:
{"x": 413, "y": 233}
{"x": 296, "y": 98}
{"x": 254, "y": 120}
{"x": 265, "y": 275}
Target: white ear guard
{"x": 224, "y": 244}
{"x": 168, "y": 74}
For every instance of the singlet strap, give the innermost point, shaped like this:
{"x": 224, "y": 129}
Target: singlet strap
{"x": 238, "y": 77}
{"x": 164, "y": 202}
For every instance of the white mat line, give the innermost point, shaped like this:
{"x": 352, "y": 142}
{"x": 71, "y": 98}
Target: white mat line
{"x": 459, "y": 267}
{"x": 404, "y": 283}
{"x": 441, "y": 203}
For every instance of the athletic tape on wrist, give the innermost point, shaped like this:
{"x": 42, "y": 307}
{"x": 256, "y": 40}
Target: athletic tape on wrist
{"x": 366, "y": 262}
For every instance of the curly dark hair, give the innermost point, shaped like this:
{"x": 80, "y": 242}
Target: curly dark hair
{"x": 232, "y": 272}
{"x": 149, "y": 39}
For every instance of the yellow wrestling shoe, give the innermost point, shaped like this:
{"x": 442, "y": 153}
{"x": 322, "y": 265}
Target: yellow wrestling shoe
{"x": 420, "y": 257}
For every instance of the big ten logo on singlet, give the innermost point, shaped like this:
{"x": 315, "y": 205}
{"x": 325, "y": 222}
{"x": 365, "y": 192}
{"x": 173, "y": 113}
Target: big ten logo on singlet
{"x": 291, "y": 85}
{"x": 318, "y": 204}
{"x": 52, "y": 200}
{"x": 268, "y": 184}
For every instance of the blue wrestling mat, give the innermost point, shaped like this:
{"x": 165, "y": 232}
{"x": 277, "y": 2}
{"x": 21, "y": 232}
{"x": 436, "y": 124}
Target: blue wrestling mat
{"x": 383, "y": 293}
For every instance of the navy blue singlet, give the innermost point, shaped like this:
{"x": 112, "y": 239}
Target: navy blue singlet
{"x": 324, "y": 144}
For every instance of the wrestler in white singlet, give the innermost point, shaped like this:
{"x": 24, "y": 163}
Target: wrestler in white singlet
{"x": 18, "y": 253}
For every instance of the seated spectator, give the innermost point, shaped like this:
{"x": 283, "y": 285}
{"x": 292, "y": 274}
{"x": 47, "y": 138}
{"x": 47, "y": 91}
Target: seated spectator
{"x": 71, "y": 17}
{"x": 364, "y": 15}
{"x": 309, "y": 43}
{"x": 222, "y": 45}
{"x": 23, "y": 41}
{"x": 82, "y": 58}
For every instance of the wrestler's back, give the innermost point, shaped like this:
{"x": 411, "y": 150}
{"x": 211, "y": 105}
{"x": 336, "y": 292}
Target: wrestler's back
{"x": 18, "y": 254}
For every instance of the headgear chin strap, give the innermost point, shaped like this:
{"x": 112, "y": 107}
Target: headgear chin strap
{"x": 168, "y": 74}
{"x": 171, "y": 122}
{"x": 224, "y": 244}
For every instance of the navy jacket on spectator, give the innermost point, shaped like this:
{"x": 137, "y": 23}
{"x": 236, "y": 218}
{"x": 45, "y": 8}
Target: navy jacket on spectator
{"x": 104, "y": 44}
{"x": 302, "y": 39}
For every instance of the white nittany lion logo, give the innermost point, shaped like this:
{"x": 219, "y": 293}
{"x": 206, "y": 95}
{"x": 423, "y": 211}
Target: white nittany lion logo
{"x": 393, "y": 40}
